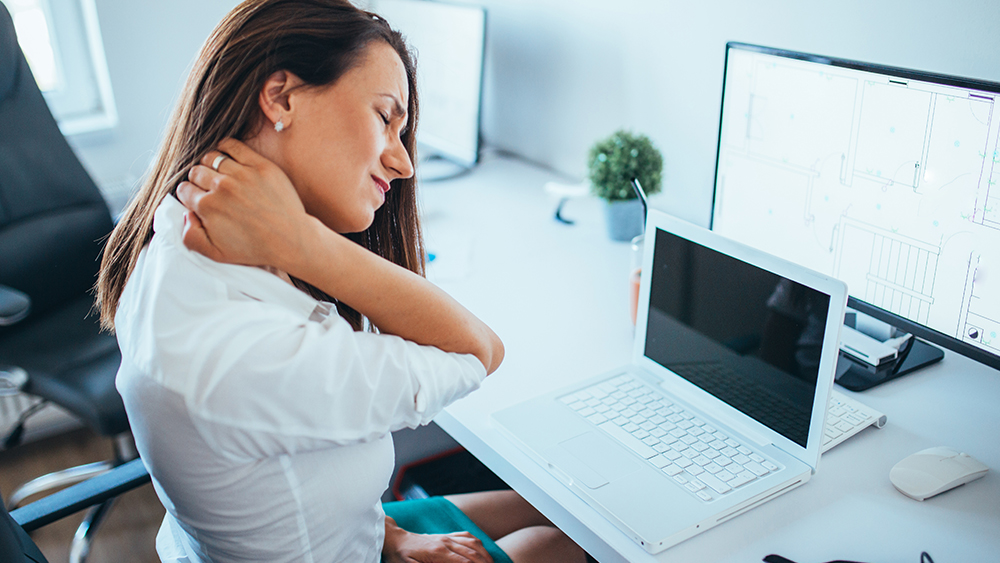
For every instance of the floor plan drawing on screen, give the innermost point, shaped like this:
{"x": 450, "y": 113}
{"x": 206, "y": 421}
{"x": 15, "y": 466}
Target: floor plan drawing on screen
{"x": 899, "y": 275}
{"x": 890, "y": 184}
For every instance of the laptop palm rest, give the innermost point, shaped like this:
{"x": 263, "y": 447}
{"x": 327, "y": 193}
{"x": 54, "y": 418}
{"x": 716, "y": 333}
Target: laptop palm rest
{"x": 592, "y": 459}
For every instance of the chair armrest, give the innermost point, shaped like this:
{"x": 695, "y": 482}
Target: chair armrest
{"x": 14, "y": 305}
{"x": 73, "y": 499}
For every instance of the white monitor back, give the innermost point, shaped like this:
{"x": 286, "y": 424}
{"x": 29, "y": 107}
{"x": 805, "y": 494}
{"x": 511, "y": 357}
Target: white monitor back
{"x": 448, "y": 42}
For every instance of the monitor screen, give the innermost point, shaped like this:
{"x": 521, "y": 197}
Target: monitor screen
{"x": 448, "y": 41}
{"x": 882, "y": 177}
{"x": 746, "y": 335}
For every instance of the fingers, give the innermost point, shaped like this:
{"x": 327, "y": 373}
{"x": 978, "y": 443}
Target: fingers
{"x": 469, "y": 547}
{"x": 204, "y": 177}
{"x": 190, "y": 194}
{"x": 230, "y": 158}
{"x": 215, "y": 159}
{"x": 196, "y": 237}
{"x": 459, "y": 547}
{"x": 235, "y": 151}
{"x": 227, "y": 159}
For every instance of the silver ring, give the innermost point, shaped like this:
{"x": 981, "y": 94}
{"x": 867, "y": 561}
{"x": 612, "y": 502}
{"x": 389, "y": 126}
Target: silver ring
{"x": 218, "y": 160}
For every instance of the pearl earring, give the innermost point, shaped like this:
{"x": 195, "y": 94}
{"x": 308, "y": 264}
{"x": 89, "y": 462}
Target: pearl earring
{"x": 279, "y": 126}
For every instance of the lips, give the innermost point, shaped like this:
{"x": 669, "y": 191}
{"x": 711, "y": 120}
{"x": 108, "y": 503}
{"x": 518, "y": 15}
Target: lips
{"x": 383, "y": 186}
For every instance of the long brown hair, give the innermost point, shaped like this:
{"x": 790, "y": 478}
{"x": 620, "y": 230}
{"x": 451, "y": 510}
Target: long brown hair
{"x": 316, "y": 40}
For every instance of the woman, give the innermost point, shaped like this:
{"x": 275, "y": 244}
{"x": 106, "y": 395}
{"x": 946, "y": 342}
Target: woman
{"x": 259, "y": 403}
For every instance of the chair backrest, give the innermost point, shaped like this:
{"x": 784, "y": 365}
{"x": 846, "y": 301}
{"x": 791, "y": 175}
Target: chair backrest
{"x": 52, "y": 216}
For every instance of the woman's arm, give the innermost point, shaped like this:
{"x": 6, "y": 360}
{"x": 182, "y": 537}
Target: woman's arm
{"x": 248, "y": 212}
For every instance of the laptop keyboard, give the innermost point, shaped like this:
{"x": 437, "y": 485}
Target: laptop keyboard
{"x": 845, "y": 416}
{"x": 695, "y": 454}
{"x": 757, "y": 401}
{"x": 701, "y": 458}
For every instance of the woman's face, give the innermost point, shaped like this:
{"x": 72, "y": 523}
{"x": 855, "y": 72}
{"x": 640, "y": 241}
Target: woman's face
{"x": 342, "y": 149}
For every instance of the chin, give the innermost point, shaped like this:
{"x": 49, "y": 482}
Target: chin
{"x": 345, "y": 225}
{"x": 360, "y": 225}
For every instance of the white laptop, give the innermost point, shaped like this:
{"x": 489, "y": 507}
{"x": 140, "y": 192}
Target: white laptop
{"x": 723, "y": 405}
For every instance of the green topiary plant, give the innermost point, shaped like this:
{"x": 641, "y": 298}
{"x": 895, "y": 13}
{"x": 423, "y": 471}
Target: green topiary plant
{"x": 614, "y": 161}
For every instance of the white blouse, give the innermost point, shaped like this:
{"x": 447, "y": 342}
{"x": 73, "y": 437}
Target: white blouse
{"x": 263, "y": 418}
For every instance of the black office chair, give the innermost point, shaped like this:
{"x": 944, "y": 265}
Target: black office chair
{"x": 15, "y": 544}
{"x": 52, "y": 222}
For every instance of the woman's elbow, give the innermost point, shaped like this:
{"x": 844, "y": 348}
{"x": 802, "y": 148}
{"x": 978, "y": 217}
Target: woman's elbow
{"x": 496, "y": 355}
{"x": 489, "y": 349}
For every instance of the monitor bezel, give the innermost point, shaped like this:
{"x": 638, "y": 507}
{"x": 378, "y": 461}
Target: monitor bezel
{"x": 919, "y": 330}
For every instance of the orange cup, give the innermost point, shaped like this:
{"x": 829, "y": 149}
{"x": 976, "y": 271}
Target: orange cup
{"x": 634, "y": 275}
{"x": 633, "y": 281}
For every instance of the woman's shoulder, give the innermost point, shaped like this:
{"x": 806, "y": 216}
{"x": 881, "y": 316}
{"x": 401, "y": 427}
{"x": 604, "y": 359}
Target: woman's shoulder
{"x": 166, "y": 267}
{"x": 172, "y": 268}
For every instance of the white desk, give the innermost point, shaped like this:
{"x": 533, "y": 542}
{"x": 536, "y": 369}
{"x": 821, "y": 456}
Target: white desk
{"x": 558, "y": 297}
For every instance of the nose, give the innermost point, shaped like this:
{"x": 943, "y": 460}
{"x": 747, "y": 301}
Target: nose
{"x": 396, "y": 159}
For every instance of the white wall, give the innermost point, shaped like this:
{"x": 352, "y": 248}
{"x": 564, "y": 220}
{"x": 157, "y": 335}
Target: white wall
{"x": 563, "y": 73}
{"x": 150, "y": 47}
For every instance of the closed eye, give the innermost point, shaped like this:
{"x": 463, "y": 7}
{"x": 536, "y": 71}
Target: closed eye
{"x": 397, "y": 110}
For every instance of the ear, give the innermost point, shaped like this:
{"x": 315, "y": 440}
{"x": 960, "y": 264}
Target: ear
{"x": 276, "y": 97}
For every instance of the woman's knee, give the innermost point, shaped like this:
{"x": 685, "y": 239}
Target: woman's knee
{"x": 538, "y": 544}
{"x": 498, "y": 513}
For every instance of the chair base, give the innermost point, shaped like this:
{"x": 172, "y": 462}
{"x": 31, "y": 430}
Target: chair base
{"x": 124, "y": 450}
{"x": 80, "y": 548}
{"x": 57, "y": 480}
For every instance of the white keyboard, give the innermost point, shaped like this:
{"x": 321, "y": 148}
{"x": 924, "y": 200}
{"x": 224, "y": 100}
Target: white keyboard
{"x": 704, "y": 460}
{"x": 845, "y": 417}
{"x": 698, "y": 456}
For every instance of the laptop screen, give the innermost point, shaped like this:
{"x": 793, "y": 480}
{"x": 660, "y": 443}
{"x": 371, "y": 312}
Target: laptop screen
{"x": 746, "y": 335}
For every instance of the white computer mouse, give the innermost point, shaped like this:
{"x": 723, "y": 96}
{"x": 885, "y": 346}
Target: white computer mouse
{"x": 933, "y": 471}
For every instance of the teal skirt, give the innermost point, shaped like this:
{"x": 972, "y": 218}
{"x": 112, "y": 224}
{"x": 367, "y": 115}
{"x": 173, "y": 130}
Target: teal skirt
{"x": 436, "y": 515}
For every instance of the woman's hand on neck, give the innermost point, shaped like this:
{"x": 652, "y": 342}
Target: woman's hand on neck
{"x": 245, "y": 212}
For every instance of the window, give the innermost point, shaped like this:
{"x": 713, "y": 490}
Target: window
{"x": 62, "y": 41}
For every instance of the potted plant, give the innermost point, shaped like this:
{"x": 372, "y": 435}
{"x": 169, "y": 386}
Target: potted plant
{"x": 611, "y": 165}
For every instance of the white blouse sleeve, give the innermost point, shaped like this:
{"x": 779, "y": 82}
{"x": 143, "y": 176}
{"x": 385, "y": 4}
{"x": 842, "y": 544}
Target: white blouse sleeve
{"x": 260, "y": 379}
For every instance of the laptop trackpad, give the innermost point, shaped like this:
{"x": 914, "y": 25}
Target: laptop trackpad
{"x": 592, "y": 459}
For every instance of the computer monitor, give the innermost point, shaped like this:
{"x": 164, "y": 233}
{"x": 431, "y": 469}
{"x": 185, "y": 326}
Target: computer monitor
{"x": 449, "y": 42}
{"x": 882, "y": 177}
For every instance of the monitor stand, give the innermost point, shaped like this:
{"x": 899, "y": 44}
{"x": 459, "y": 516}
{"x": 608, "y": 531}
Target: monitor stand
{"x": 436, "y": 169}
{"x": 858, "y": 376}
